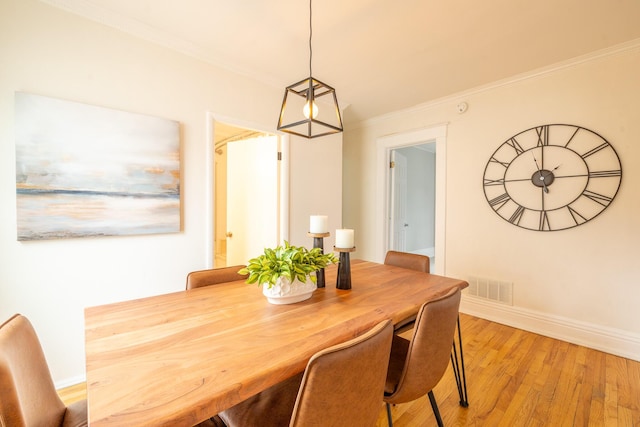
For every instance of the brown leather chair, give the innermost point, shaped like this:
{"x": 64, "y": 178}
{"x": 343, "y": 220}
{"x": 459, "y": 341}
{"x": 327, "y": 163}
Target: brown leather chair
{"x": 27, "y": 394}
{"x": 417, "y": 365}
{"x": 342, "y": 385}
{"x": 214, "y": 276}
{"x": 407, "y": 260}
{"x": 412, "y": 262}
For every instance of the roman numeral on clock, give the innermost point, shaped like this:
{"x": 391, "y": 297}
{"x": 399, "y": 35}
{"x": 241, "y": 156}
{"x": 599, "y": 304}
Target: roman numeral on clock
{"x": 500, "y": 201}
{"x": 577, "y": 217}
{"x": 543, "y": 135}
{"x": 513, "y": 143}
{"x": 595, "y": 150}
{"x": 597, "y": 197}
{"x": 544, "y": 221}
{"x": 605, "y": 174}
{"x": 517, "y": 215}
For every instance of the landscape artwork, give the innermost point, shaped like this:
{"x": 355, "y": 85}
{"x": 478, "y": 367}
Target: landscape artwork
{"x": 87, "y": 171}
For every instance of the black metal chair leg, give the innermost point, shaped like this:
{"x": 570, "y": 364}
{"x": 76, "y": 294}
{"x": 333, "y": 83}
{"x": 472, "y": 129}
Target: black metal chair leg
{"x": 458, "y": 369}
{"x": 434, "y": 406}
{"x": 389, "y": 419}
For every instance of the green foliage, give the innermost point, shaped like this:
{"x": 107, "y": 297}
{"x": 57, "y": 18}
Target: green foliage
{"x": 287, "y": 261}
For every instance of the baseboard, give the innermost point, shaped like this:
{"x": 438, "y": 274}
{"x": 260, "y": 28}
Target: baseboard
{"x": 609, "y": 340}
{"x": 68, "y": 382}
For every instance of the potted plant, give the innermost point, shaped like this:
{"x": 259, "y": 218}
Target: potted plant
{"x": 287, "y": 273}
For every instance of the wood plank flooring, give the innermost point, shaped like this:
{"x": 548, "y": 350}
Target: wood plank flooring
{"x": 516, "y": 378}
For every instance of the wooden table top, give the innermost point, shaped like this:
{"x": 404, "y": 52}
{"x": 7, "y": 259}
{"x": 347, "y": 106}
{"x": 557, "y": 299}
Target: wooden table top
{"x": 179, "y": 358}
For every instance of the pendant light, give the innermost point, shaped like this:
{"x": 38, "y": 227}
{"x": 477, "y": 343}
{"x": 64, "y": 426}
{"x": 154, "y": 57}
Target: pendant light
{"x": 310, "y": 108}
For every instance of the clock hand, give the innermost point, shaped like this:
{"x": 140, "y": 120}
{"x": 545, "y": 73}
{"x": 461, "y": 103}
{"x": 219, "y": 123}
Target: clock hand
{"x": 551, "y": 171}
{"x": 544, "y": 185}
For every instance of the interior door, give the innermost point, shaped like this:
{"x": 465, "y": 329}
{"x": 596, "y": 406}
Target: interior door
{"x": 398, "y": 207}
{"x": 252, "y": 197}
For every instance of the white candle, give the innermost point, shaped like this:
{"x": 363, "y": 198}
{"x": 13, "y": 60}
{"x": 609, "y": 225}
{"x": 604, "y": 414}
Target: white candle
{"x": 318, "y": 224}
{"x": 344, "y": 239}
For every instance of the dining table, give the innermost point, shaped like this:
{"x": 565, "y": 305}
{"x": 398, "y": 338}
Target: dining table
{"x": 179, "y": 358}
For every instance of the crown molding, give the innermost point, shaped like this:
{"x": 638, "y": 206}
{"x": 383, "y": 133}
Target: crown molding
{"x": 540, "y": 72}
{"x": 154, "y": 35}
{"x": 149, "y": 33}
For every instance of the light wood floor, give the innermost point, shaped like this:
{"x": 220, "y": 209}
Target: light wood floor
{"x": 516, "y": 378}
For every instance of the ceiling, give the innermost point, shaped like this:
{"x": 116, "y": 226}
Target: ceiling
{"x": 380, "y": 55}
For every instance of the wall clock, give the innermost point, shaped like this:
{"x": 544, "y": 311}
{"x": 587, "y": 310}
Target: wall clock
{"x": 552, "y": 177}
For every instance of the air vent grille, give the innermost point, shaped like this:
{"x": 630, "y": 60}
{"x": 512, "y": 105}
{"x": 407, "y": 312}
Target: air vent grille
{"x": 491, "y": 289}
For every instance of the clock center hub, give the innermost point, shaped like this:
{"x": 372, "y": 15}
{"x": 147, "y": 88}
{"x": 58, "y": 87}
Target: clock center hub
{"x": 542, "y": 178}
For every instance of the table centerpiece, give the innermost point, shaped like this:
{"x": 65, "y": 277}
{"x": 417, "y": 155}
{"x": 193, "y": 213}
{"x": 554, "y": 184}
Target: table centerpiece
{"x": 287, "y": 273}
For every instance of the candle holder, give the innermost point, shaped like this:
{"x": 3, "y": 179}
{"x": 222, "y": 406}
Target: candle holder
{"x": 344, "y": 268}
{"x": 318, "y": 242}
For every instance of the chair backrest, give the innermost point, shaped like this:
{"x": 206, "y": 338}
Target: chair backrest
{"x": 406, "y": 260}
{"x": 28, "y": 395}
{"x": 344, "y": 384}
{"x": 198, "y": 279}
{"x": 427, "y": 356}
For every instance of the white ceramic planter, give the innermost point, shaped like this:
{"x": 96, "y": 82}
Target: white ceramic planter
{"x": 284, "y": 292}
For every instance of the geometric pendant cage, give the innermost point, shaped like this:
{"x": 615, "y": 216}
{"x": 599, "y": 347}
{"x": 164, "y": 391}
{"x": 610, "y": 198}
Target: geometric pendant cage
{"x": 310, "y": 95}
{"x": 310, "y": 108}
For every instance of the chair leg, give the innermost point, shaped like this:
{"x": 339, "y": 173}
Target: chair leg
{"x": 389, "y": 419}
{"x": 434, "y": 406}
{"x": 458, "y": 369}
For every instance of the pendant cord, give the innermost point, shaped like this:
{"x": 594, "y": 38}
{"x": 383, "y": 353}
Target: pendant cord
{"x": 310, "y": 35}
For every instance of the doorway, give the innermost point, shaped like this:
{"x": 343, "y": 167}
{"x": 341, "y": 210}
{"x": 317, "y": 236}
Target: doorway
{"x": 246, "y": 193}
{"x": 409, "y": 216}
{"x": 412, "y": 200}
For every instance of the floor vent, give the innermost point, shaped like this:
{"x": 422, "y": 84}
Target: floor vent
{"x": 490, "y": 289}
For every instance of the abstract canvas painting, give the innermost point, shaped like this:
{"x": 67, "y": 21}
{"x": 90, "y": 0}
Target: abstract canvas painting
{"x": 85, "y": 171}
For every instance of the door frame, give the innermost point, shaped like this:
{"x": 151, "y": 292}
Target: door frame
{"x": 397, "y": 159}
{"x": 209, "y": 223}
{"x": 384, "y": 146}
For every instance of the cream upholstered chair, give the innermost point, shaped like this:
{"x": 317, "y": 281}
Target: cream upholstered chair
{"x": 197, "y": 279}
{"x": 27, "y": 394}
{"x": 417, "y": 365}
{"x": 342, "y": 386}
{"x": 412, "y": 262}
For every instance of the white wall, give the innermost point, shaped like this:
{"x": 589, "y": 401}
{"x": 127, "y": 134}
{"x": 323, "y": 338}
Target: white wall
{"x": 580, "y": 284}
{"x": 315, "y": 186}
{"x": 49, "y": 52}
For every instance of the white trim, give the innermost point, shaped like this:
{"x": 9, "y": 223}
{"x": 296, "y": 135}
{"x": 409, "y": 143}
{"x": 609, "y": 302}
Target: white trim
{"x": 210, "y": 192}
{"x": 284, "y": 188}
{"x": 384, "y": 145}
{"x": 610, "y": 340}
{"x": 210, "y": 177}
{"x": 146, "y": 32}
{"x": 68, "y": 382}
{"x": 156, "y": 36}
{"x": 533, "y": 74}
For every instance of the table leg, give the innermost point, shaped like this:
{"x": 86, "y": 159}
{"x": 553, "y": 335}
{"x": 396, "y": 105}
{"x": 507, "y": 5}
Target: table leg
{"x": 457, "y": 363}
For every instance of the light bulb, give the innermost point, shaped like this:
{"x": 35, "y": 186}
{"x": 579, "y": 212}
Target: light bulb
{"x": 310, "y": 106}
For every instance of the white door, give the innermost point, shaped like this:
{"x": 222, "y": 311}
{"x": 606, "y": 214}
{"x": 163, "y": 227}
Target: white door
{"x": 252, "y": 197}
{"x": 398, "y": 203}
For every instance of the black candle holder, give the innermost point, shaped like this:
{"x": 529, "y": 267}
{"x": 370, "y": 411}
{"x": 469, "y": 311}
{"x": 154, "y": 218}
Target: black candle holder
{"x": 344, "y": 268}
{"x": 318, "y": 242}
